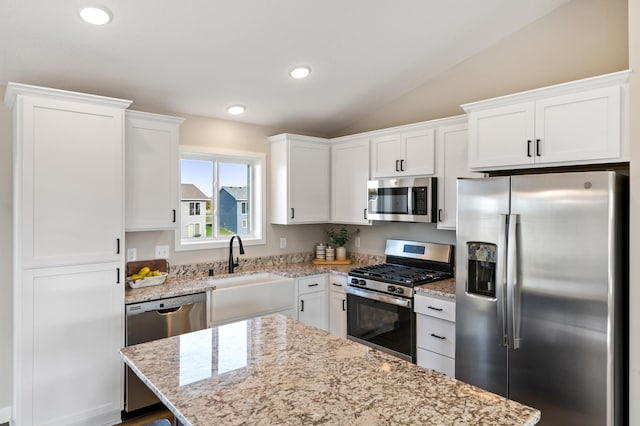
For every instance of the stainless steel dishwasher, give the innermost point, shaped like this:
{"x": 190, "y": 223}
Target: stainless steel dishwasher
{"x": 153, "y": 320}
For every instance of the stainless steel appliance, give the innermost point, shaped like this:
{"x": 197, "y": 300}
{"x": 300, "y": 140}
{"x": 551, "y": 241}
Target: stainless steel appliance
{"x": 157, "y": 319}
{"x": 540, "y": 292}
{"x": 402, "y": 200}
{"x": 380, "y": 297}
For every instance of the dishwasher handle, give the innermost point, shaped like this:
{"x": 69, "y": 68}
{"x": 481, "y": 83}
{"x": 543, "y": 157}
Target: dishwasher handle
{"x": 169, "y": 311}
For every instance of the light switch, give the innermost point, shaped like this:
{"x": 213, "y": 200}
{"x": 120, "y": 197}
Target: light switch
{"x": 283, "y": 242}
{"x": 162, "y": 252}
{"x": 131, "y": 255}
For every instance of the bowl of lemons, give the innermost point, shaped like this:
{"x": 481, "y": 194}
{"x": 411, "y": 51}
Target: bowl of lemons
{"x": 145, "y": 277}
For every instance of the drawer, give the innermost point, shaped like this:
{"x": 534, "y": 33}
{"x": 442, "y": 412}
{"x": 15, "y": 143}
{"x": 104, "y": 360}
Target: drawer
{"x": 312, "y": 284}
{"x": 337, "y": 282}
{"x": 435, "y": 307}
{"x": 436, "y": 335}
{"x": 436, "y": 362}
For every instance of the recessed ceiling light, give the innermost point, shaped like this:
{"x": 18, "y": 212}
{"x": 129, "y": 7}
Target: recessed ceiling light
{"x": 300, "y": 72}
{"x": 236, "y": 109}
{"x": 96, "y": 15}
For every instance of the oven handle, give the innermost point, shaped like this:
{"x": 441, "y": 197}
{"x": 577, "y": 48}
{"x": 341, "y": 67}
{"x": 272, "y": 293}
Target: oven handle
{"x": 405, "y": 303}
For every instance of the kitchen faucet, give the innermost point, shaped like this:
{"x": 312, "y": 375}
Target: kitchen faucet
{"x": 231, "y": 263}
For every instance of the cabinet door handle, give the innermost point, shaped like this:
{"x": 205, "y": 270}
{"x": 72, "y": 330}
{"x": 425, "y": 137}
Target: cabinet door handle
{"x": 301, "y": 305}
{"x": 336, "y": 284}
{"x": 117, "y": 245}
{"x": 397, "y": 162}
{"x": 529, "y": 148}
{"x": 365, "y": 214}
{"x": 174, "y": 215}
{"x": 312, "y": 285}
{"x": 439, "y": 215}
{"x": 402, "y": 165}
{"x": 292, "y": 213}
{"x": 438, "y": 337}
{"x": 344, "y": 307}
{"x": 538, "y": 147}
{"x": 117, "y": 275}
{"x": 435, "y": 309}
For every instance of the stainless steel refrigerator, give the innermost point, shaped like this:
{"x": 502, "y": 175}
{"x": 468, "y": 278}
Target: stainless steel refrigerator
{"x": 541, "y": 292}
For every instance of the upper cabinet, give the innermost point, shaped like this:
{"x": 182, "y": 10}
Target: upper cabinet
{"x": 451, "y": 146}
{"x": 300, "y": 181}
{"x": 403, "y": 153}
{"x": 579, "y": 122}
{"x": 151, "y": 159}
{"x": 349, "y": 176}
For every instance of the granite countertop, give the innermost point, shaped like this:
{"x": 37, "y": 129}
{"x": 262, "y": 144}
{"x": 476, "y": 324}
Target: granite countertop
{"x": 181, "y": 285}
{"x": 274, "y": 370}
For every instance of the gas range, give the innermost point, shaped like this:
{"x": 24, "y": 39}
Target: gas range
{"x": 409, "y": 264}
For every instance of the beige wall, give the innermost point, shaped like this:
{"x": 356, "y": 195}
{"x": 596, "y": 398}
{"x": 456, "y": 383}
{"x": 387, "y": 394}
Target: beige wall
{"x": 581, "y": 39}
{"x": 634, "y": 234}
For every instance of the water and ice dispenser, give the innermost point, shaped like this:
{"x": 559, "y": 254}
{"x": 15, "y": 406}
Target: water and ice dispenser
{"x": 481, "y": 278}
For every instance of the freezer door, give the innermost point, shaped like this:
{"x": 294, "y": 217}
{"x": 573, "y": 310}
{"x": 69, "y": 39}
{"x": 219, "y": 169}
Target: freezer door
{"x": 561, "y": 294}
{"x": 481, "y": 357}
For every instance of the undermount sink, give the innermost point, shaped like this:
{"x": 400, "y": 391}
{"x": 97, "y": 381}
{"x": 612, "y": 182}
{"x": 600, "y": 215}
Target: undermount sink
{"x": 242, "y": 280}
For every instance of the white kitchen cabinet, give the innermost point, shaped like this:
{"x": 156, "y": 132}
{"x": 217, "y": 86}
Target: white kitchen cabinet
{"x": 574, "y": 123}
{"x": 151, "y": 172}
{"x": 349, "y": 176}
{"x": 337, "y": 305}
{"x": 436, "y": 333}
{"x": 300, "y": 179}
{"x": 68, "y": 267}
{"x": 71, "y": 328}
{"x": 312, "y": 301}
{"x": 407, "y": 153}
{"x": 452, "y": 146}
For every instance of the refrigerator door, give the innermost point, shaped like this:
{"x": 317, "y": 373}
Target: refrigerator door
{"x": 559, "y": 300}
{"x": 481, "y": 355}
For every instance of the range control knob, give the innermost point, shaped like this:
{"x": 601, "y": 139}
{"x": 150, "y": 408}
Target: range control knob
{"x": 391, "y": 288}
{"x": 399, "y": 290}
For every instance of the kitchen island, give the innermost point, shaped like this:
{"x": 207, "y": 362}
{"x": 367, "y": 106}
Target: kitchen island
{"x": 274, "y": 370}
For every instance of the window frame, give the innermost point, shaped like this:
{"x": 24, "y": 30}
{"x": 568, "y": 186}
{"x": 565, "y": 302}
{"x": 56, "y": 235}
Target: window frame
{"x": 256, "y": 203}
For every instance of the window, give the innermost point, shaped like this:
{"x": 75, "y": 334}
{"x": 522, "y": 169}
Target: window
{"x": 221, "y": 194}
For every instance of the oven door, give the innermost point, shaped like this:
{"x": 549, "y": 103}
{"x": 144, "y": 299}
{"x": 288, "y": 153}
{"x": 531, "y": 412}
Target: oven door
{"x": 381, "y": 321}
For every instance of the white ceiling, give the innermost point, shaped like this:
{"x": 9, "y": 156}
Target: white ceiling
{"x": 199, "y": 56}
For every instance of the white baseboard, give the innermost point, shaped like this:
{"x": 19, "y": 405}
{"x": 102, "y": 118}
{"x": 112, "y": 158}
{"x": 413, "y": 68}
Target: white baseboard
{"x": 5, "y": 415}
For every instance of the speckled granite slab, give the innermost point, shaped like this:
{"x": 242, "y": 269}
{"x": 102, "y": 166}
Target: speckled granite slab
{"x": 444, "y": 288}
{"x": 274, "y": 370}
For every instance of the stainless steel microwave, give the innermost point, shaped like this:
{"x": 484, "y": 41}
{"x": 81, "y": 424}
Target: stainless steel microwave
{"x": 403, "y": 200}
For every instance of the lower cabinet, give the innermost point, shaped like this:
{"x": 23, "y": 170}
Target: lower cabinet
{"x": 337, "y": 305}
{"x": 312, "y": 301}
{"x": 69, "y": 332}
{"x": 436, "y": 333}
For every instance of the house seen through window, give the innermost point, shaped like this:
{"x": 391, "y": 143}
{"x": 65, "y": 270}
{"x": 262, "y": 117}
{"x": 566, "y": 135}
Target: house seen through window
{"x": 217, "y": 193}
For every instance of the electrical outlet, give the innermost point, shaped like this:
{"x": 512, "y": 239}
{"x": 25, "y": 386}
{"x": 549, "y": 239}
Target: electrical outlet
{"x": 283, "y": 242}
{"x": 131, "y": 255}
{"x": 162, "y": 252}
{"x": 357, "y": 242}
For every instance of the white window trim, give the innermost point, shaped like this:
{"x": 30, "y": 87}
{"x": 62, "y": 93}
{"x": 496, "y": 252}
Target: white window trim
{"x": 257, "y": 198}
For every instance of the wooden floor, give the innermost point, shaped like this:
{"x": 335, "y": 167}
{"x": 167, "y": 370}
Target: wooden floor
{"x": 149, "y": 417}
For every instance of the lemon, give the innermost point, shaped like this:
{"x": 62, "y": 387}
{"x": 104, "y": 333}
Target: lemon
{"x": 144, "y": 271}
{"x": 136, "y": 277}
{"x": 155, "y": 273}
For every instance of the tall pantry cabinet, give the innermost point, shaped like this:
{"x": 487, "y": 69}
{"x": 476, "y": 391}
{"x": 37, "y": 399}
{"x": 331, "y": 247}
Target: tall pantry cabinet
{"x": 68, "y": 264}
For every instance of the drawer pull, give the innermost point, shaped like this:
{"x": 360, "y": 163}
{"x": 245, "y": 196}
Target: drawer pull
{"x": 312, "y": 285}
{"x": 435, "y": 309}
{"x": 336, "y": 284}
{"x": 438, "y": 337}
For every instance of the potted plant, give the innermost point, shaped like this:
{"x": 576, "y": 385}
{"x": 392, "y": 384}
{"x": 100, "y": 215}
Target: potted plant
{"x": 338, "y": 238}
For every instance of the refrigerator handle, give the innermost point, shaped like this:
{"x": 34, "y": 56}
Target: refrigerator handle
{"x": 513, "y": 299}
{"x": 501, "y": 278}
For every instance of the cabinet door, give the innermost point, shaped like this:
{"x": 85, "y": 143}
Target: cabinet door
{"x": 338, "y": 313}
{"x": 386, "y": 153}
{"x": 70, "y": 329}
{"x": 581, "y": 126}
{"x": 419, "y": 153}
{"x": 71, "y": 165}
{"x": 349, "y": 176}
{"x": 151, "y": 171}
{"x": 452, "y": 164}
{"x": 309, "y": 180}
{"x": 501, "y": 136}
{"x": 313, "y": 310}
